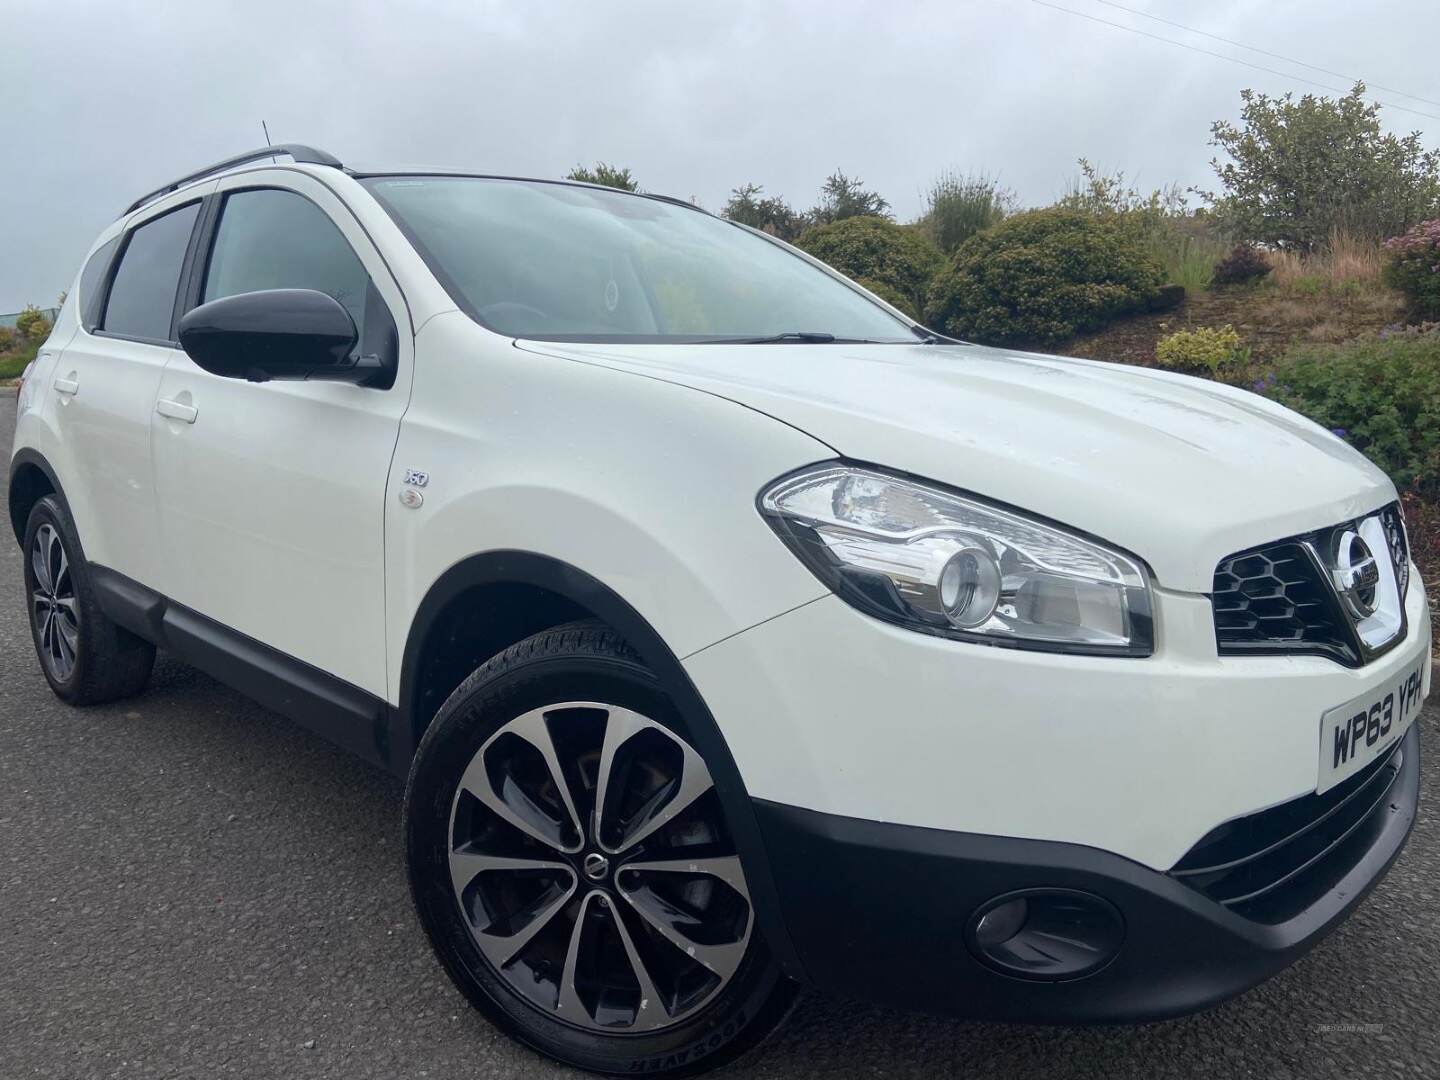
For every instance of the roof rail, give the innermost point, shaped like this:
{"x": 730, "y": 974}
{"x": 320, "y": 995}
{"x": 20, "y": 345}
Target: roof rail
{"x": 295, "y": 151}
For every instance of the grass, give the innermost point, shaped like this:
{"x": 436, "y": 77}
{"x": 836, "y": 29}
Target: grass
{"x": 13, "y": 364}
{"x": 958, "y": 205}
{"x": 1350, "y": 266}
{"x": 1188, "y": 260}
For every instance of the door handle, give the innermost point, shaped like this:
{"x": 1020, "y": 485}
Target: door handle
{"x": 69, "y": 385}
{"x": 177, "y": 410}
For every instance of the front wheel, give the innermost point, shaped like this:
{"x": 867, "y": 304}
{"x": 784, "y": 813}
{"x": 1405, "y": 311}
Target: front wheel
{"x": 86, "y": 658}
{"x": 570, "y": 861}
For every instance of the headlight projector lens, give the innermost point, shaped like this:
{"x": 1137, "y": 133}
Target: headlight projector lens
{"x": 970, "y": 587}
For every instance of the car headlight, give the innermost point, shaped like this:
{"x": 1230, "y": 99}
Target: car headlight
{"x": 945, "y": 563}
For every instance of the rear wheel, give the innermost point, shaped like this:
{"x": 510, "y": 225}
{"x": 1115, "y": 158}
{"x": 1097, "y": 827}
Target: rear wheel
{"x": 86, "y": 658}
{"x": 571, "y": 862}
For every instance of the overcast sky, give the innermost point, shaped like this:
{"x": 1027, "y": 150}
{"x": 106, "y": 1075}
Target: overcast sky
{"x": 103, "y": 101}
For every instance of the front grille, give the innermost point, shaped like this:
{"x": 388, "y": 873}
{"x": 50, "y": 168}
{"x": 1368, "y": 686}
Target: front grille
{"x": 1274, "y": 599}
{"x": 1279, "y": 599}
{"x": 1272, "y": 865}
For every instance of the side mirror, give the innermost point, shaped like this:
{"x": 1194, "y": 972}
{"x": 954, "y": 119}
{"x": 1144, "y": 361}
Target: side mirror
{"x": 276, "y": 334}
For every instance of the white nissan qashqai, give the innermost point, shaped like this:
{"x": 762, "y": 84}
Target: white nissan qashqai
{"x": 734, "y": 632}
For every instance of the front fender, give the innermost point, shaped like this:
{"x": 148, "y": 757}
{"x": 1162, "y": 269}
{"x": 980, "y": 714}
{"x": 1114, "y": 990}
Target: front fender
{"x": 645, "y": 486}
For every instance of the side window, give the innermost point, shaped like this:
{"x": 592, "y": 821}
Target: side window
{"x": 92, "y": 279}
{"x": 272, "y": 239}
{"x": 142, "y": 296}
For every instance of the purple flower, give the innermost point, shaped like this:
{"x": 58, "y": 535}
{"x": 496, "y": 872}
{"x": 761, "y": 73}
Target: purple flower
{"x": 1339, "y": 432}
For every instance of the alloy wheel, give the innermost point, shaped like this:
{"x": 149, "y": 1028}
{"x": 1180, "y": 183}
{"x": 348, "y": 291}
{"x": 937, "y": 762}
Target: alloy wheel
{"x": 52, "y": 601}
{"x": 589, "y": 858}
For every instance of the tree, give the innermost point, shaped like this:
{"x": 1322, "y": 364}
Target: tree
{"x": 606, "y": 175}
{"x": 773, "y": 215}
{"x": 844, "y": 197}
{"x": 1300, "y": 170}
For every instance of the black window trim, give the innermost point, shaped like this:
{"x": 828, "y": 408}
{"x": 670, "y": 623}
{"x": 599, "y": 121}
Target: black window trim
{"x": 118, "y": 257}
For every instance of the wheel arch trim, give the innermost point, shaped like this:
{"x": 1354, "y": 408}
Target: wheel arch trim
{"x": 509, "y": 567}
{"x": 24, "y": 458}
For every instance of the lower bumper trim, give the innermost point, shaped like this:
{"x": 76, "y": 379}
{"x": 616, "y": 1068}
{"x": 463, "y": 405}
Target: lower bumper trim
{"x": 879, "y": 911}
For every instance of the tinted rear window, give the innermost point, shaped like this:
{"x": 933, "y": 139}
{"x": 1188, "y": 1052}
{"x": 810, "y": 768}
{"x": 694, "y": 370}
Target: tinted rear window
{"x": 91, "y": 280}
{"x": 142, "y": 295}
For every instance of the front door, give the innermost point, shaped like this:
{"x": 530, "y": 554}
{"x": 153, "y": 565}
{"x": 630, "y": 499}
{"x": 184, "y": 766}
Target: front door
{"x": 272, "y": 495}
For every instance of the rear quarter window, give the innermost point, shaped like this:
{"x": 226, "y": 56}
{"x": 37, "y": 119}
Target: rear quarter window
{"x": 92, "y": 283}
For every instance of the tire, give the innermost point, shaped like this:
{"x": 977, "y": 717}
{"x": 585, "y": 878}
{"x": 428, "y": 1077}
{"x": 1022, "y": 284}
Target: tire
{"x": 511, "y": 865}
{"x": 86, "y": 658}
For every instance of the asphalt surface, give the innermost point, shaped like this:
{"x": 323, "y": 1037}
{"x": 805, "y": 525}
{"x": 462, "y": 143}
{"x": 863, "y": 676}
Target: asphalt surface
{"x": 193, "y": 887}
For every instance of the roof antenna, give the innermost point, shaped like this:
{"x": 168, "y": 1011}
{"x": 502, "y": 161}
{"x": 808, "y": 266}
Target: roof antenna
{"x": 267, "y": 140}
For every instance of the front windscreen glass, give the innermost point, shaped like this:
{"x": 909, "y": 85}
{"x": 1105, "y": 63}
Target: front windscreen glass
{"x": 554, "y": 261}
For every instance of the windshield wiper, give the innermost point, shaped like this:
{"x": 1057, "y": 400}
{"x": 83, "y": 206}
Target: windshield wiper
{"x": 803, "y": 337}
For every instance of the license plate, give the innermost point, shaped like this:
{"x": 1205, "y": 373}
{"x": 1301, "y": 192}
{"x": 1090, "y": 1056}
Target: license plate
{"x": 1356, "y": 733}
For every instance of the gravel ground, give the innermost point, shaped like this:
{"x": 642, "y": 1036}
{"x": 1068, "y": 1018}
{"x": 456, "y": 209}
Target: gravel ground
{"x": 193, "y": 887}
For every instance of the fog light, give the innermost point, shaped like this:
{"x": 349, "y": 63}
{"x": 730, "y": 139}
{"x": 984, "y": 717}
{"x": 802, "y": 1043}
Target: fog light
{"x": 1001, "y": 923}
{"x": 1047, "y": 934}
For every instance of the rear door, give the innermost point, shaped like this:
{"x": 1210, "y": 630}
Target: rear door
{"x": 102, "y": 389}
{"x": 272, "y": 495}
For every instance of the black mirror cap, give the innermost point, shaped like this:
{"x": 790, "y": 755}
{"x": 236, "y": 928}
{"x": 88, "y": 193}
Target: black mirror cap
{"x": 274, "y": 334}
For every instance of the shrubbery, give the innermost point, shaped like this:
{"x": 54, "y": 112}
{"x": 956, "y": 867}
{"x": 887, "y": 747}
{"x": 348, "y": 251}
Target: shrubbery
{"x": 32, "y": 324}
{"x": 890, "y": 296}
{"x": 770, "y": 214}
{"x": 1206, "y": 347}
{"x": 1244, "y": 263}
{"x": 1380, "y": 393}
{"x": 878, "y": 251}
{"x": 1412, "y": 266}
{"x": 1042, "y": 276}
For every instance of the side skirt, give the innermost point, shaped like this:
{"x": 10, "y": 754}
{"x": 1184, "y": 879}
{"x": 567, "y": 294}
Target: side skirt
{"x": 338, "y": 711}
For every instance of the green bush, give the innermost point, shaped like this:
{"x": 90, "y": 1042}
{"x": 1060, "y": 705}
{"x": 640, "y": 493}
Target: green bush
{"x": 1206, "y": 347}
{"x": 890, "y": 296}
{"x": 1043, "y": 276}
{"x": 1412, "y": 266}
{"x": 772, "y": 214}
{"x": 1380, "y": 393}
{"x": 33, "y": 325}
{"x": 879, "y": 251}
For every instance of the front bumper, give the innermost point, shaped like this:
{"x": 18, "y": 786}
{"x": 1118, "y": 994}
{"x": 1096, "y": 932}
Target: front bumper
{"x": 830, "y": 710}
{"x": 879, "y": 911}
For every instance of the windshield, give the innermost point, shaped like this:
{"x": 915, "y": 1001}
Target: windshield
{"x": 558, "y": 262}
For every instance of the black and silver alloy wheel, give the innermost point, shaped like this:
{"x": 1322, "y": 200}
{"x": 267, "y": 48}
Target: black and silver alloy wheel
{"x": 572, "y": 884}
{"x": 54, "y": 609}
{"x": 573, "y": 866}
{"x": 86, "y": 658}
